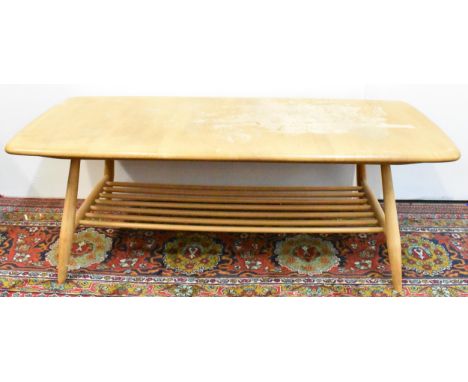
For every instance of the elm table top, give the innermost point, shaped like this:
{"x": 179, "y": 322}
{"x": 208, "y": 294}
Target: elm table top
{"x": 235, "y": 129}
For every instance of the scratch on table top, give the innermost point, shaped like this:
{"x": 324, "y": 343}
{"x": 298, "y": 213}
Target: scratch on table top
{"x": 296, "y": 118}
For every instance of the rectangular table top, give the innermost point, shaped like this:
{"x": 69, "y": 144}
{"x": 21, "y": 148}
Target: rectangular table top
{"x": 244, "y": 129}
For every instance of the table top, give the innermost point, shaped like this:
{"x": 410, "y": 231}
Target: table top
{"x": 237, "y": 129}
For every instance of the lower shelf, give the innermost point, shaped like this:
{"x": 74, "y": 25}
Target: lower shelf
{"x": 232, "y": 209}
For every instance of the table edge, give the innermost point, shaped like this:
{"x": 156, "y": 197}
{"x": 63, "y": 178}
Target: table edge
{"x": 449, "y": 157}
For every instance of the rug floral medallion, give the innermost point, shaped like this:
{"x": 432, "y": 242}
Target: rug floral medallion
{"x": 118, "y": 262}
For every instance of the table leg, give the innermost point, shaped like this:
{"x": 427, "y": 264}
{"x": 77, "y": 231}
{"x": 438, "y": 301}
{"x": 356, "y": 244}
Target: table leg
{"x": 109, "y": 169}
{"x": 361, "y": 176}
{"x": 67, "y": 228}
{"x": 392, "y": 230}
{"x": 108, "y": 177}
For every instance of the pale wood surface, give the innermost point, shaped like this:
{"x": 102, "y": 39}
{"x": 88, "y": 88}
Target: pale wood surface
{"x": 231, "y": 199}
{"x": 242, "y": 129}
{"x": 109, "y": 169}
{"x": 220, "y": 228}
{"x": 236, "y": 222}
{"x": 236, "y": 209}
{"x": 242, "y": 214}
{"x": 379, "y": 213}
{"x": 250, "y": 189}
{"x": 90, "y": 199}
{"x": 67, "y": 228}
{"x": 392, "y": 230}
{"x": 361, "y": 174}
{"x": 361, "y": 180}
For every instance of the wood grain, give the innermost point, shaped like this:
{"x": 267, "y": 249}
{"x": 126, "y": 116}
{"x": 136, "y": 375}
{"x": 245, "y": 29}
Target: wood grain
{"x": 392, "y": 230}
{"x": 235, "y": 129}
{"x": 245, "y": 214}
{"x": 247, "y": 207}
{"x": 218, "y": 228}
{"x": 67, "y": 228}
{"x": 239, "y": 209}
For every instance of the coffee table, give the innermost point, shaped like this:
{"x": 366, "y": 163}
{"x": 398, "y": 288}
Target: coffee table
{"x": 356, "y": 132}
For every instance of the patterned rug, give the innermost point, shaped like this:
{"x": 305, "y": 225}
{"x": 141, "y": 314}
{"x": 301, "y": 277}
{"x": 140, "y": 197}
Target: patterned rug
{"x": 110, "y": 262}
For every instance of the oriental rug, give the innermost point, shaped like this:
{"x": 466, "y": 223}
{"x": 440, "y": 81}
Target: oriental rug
{"x": 120, "y": 262}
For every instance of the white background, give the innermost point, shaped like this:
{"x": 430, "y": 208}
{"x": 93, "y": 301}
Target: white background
{"x": 291, "y": 48}
{"x": 42, "y": 177}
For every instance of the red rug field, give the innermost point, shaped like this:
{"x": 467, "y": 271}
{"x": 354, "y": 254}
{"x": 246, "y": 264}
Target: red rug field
{"x": 110, "y": 262}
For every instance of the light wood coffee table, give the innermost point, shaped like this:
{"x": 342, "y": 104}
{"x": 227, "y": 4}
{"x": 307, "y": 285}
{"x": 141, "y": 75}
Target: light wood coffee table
{"x": 228, "y": 129}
